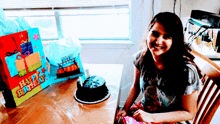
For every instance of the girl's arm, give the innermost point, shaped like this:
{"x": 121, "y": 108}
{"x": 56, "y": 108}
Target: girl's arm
{"x": 134, "y": 91}
{"x": 189, "y": 112}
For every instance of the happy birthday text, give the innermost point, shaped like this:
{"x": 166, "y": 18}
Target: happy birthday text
{"x": 28, "y": 84}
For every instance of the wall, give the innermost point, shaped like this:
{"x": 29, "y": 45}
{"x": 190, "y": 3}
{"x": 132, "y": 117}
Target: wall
{"x": 183, "y": 7}
{"x": 141, "y": 13}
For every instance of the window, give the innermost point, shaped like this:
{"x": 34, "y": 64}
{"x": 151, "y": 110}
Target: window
{"x": 44, "y": 20}
{"x": 103, "y": 20}
{"x": 96, "y": 24}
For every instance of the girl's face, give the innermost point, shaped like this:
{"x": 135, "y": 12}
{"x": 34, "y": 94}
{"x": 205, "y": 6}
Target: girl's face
{"x": 158, "y": 40}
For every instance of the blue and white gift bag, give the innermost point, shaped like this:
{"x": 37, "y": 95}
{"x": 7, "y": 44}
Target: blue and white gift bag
{"x": 64, "y": 58}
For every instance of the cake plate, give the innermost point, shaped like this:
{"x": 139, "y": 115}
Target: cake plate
{"x": 92, "y": 102}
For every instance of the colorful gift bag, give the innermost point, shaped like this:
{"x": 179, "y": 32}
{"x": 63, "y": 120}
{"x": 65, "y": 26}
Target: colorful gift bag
{"x": 65, "y": 71}
{"x": 64, "y": 59}
{"x": 23, "y": 66}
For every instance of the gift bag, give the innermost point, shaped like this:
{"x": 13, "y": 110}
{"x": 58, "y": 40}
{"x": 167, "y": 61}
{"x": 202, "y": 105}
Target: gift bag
{"x": 64, "y": 58}
{"x": 68, "y": 67}
{"x": 23, "y": 66}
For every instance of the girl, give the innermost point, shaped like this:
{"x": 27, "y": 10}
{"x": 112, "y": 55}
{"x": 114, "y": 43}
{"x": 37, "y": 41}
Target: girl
{"x": 166, "y": 75}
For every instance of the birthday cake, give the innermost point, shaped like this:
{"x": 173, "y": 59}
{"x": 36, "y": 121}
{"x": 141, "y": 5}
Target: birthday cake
{"x": 93, "y": 90}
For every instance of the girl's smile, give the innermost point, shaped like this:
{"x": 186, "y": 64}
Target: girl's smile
{"x": 158, "y": 40}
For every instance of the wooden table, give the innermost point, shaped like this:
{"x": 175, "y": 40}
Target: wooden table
{"x": 56, "y": 103}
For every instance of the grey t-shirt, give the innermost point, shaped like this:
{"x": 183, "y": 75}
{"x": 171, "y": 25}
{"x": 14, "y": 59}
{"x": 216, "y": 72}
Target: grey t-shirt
{"x": 155, "y": 99}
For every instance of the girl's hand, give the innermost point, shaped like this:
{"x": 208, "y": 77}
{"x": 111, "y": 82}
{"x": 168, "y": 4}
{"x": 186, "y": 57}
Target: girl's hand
{"x": 141, "y": 115}
{"x": 120, "y": 113}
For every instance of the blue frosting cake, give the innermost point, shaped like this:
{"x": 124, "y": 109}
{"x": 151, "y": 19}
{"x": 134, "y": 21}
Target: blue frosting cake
{"x": 93, "y": 90}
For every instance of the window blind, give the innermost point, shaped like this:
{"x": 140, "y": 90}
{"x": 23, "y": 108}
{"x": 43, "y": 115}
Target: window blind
{"x": 22, "y": 4}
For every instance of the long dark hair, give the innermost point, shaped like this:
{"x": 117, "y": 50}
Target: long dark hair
{"x": 175, "y": 58}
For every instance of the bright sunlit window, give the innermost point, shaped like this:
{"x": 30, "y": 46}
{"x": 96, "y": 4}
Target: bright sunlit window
{"x": 97, "y": 22}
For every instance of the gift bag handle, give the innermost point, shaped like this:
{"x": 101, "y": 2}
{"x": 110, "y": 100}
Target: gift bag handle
{"x": 14, "y": 42}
